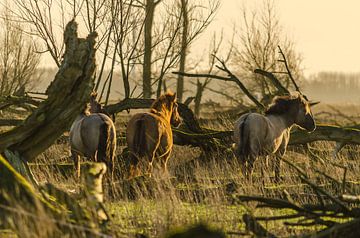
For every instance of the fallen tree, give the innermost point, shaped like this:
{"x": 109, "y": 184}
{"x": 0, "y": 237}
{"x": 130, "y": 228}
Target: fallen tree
{"x": 195, "y": 135}
{"x": 346, "y": 135}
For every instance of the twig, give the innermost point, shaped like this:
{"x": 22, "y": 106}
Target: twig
{"x": 275, "y": 203}
{"x": 256, "y": 227}
{"x": 288, "y": 69}
{"x": 231, "y": 77}
{"x": 281, "y": 89}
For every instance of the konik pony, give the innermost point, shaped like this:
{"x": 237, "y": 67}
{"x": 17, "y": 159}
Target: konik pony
{"x": 256, "y": 134}
{"x": 149, "y": 134}
{"x": 93, "y": 135}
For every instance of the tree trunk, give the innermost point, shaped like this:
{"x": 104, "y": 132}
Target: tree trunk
{"x": 326, "y": 133}
{"x": 67, "y": 96}
{"x": 149, "y": 19}
{"x": 51, "y": 213}
{"x": 183, "y": 52}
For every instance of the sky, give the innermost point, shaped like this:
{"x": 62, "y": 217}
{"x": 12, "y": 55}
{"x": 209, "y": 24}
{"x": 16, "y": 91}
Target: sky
{"x": 326, "y": 32}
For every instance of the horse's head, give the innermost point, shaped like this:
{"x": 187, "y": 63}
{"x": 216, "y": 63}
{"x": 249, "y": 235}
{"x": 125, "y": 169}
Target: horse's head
{"x": 95, "y": 106}
{"x": 295, "y": 108}
{"x": 175, "y": 117}
{"x": 173, "y": 106}
{"x": 167, "y": 106}
{"x": 304, "y": 117}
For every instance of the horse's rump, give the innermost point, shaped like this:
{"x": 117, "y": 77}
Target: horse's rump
{"x": 243, "y": 148}
{"x": 139, "y": 142}
{"x": 107, "y": 143}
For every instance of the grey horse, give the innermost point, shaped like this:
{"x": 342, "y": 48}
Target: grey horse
{"x": 256, "y": 134}
{"x": 93, "y": 135}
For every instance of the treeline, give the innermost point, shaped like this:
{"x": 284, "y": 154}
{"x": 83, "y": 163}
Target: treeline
{"x": 334, "y": 87}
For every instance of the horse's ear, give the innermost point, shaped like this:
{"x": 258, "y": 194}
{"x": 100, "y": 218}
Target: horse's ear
{"x": 313, "y": 103}
{"x": 299, "y": 97}
{"x": 93, "y": 94}
{"x": 171, "y": 96}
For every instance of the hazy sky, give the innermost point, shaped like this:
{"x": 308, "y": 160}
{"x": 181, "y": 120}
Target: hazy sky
{"x": 325, "y": 32}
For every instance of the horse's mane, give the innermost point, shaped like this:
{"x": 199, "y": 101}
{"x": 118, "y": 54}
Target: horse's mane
{"x": 163, "y": 101}
{"x": 282, "y": 104}
{"x": 86, "y": 109}
{"x": 88, "y": 106}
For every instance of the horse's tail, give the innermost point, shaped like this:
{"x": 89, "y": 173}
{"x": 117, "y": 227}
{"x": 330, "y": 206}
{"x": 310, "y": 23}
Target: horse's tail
{"x": 243, "y": 149}
{"x": 107, "y": 145}
{"x": 139, "y": 142}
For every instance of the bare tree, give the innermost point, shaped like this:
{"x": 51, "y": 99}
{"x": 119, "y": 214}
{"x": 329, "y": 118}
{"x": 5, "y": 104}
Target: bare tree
{"x": 184, "y": 45}
{"x": 46, "y": 19}
{"x": 173, "y": 47}
{"x": 259, "y": 37}
{"x": 18, "y": 58}
{"x": 194, "y": 21}
{"x": 129, "y": 26}
{"x": 37, "y": 15}
{"x": 201, "y": 85}
{"x": 150, "y": 6}
{"x": 133, "y": 38}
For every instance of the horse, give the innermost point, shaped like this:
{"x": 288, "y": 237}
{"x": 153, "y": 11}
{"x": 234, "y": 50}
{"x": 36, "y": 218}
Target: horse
{"x": 256, "y": 134}
{"x": 93, "y": 135}
{"x": 149, "y": 135}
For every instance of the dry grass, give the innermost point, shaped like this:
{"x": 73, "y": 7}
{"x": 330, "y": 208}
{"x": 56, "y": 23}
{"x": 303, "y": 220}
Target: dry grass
{"x": 202, "y": 190}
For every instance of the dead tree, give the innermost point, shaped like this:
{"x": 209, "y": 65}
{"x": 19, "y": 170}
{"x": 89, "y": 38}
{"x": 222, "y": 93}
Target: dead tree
{"x": 184, "y": 46}
{"x": 67, "y": 95}
{"x": 21, "y": 201}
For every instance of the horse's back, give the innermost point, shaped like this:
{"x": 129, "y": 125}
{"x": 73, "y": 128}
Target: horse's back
{"x": 76, "y": 142}
{"x": 86, "y": 132}
{"x": 142, "y": 121}
{"x": 254, "y": 122}
{"x": 250, "y": 132}
{"x": 263, "y": 134}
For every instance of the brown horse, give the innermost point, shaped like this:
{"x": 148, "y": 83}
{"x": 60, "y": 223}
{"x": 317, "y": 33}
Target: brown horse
{"x": 149, "y": 134}
{"x": 256, "y": 134}
{"x": 93, "y": 135}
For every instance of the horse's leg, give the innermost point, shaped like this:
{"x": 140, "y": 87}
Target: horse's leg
{"x": 251, "y": 158}
{"x": 151, "y": 157}
{"x": 133, "y": 163}
{"x": 151, "y": 153}
{"x": 247, "y": 167}
{"x": 250, "y": 168}
{"x": 277, "y": 168}
{"x": 164, "y": 160}
{"x": 280, "y": 153}
{"x": 150, "y": 168}
{"x": 264, "y": 168}
{"x": 76, "y": 159}
{"x": 133, "y": 171}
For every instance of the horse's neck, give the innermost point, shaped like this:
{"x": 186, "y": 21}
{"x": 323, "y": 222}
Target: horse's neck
{"x": 281, "y": 122}
{"x": 164, "y": 114}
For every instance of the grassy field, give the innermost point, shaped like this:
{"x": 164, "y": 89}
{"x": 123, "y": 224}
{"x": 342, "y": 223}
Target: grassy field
{"x": 204, "y": 189}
